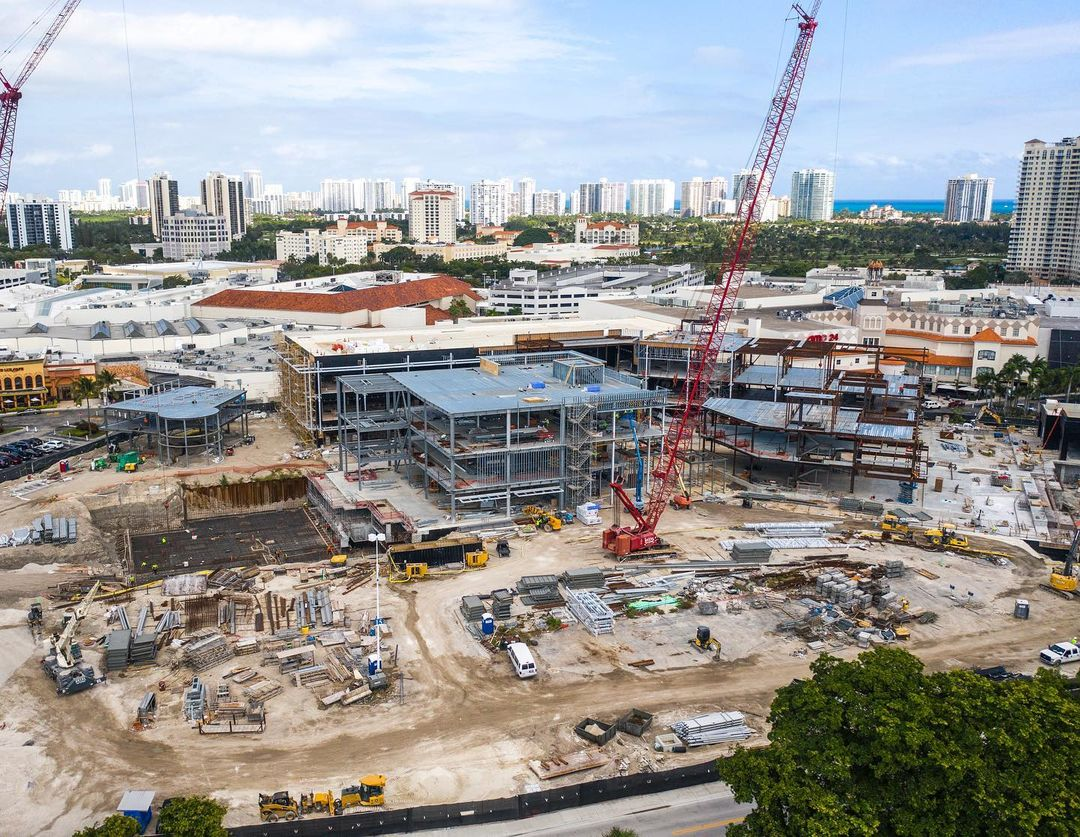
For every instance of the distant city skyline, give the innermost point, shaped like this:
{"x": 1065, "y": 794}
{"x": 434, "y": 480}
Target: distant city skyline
{"x": 464, "y": 90}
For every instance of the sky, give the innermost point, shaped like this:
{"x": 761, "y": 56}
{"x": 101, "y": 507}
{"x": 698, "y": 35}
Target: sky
{"x": 563, "y": 91}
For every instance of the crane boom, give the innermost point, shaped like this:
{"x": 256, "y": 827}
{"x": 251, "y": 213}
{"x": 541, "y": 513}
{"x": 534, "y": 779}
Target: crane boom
{"x": 11, "y": 93}
{"x": 61, "y": 645}
{"x": 706, "y": 350}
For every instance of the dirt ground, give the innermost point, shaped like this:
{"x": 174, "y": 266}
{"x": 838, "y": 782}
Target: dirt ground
{"x": 468, "y": 726}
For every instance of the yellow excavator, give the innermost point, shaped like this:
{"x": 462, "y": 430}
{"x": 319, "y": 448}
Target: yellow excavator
{"x": 946, "y": 538}
{"x": 704, "y": 641}
{"x": 986, "y": 412}
{"x": 1065, "y": 582}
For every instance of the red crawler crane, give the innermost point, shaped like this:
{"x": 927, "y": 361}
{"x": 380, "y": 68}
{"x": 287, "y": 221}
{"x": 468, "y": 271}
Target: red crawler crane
{"x": 622, "y": 540}
{"x": 11, "y": 93}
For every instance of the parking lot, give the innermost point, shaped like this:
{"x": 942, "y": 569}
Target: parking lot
{"x": 21, "y": 428}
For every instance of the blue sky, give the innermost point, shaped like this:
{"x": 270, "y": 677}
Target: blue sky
{"x": 560, "y": 90}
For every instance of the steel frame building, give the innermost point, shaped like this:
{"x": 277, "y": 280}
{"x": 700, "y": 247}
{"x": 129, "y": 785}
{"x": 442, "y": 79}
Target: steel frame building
{"x": 796, "y": 403}
{"x": 521, "y": 429}
{"x": 182, "y": 422}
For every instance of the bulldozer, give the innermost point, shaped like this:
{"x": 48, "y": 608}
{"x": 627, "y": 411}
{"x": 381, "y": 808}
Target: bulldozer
{"x": 704, "y": 641}
{"x": 946, "y": 538}
{"x": 1064, "y": 583}
{"x": 543, "y": 519}
{"x": 278, "y": 806}
{"x": 370, "y": 792}
{"x": 319, "y": 803}
{"x": 892, "y": 529}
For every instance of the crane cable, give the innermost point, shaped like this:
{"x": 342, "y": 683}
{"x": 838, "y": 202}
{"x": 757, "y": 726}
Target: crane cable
{"x": 131, "y": 97}
{"x": 840, "y": 93}
{"x": 29, "y": 27}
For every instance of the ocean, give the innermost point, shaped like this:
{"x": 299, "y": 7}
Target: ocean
{"x": 933, "y": 207}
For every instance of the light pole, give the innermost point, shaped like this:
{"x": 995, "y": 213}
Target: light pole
{"x": 377, "y": 538}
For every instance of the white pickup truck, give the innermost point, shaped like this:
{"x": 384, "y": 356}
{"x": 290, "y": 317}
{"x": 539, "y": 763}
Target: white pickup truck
{"x": 1060, "y": 653}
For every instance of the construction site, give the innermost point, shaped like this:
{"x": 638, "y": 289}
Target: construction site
{"x": 476, "y": 575}
{"x": 224, "y": 614}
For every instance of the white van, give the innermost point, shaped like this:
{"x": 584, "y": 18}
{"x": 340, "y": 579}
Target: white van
{"x": 522, "y": 658}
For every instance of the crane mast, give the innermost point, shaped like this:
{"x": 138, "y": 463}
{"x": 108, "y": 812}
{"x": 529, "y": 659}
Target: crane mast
{"x": 11, "y": 94}
{"x": 721, "y": 306}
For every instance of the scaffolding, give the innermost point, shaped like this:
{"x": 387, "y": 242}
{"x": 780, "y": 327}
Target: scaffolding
{"x": 522, "y": 429}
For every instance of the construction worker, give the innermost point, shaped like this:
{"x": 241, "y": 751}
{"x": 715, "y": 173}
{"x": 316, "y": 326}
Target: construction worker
{"x": 154, "y": 568}
{"x": 163, "y": 540}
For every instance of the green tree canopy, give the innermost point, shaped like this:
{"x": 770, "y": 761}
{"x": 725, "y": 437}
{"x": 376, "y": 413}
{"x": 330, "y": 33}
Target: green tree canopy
{"x": 116, "y": 825}
{"x": 192, "y": 816}
{"x": 459, "y": 308}
{"x": 878, "y": 747}
{"x": 533, "y": 235}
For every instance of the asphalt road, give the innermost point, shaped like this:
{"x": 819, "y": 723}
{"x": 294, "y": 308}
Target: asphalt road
{"x": 705, "y": 810}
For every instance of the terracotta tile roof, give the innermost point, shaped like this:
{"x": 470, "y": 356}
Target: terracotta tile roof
{"x": 401, "y": 295}
{"x": 987, "y": 335}
{"x": 436, "y": 315}
{"x": 432, "y": 192}
{"x": 1027, "y": 341}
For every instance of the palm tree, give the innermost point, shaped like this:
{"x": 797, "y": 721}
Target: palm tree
{"x": 105, "y": 381}
{"x": 985, "y": 382}
{"x": 82, "y": 390}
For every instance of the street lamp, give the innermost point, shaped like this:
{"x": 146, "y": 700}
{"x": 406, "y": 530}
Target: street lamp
{"x": 376, "y": 538}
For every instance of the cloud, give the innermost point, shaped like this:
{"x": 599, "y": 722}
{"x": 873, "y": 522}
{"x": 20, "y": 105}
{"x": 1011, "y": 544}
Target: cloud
{"x": 52, "y": 156}
{"x": 209, "y": 34}
{"x": 269, "y": 130}
{"x": 1033, "y": 42}
{"x": 714, "y": 55}
{"x": 697, "y": 163}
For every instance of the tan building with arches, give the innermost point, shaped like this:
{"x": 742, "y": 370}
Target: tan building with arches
{"x": 22, "y": 383}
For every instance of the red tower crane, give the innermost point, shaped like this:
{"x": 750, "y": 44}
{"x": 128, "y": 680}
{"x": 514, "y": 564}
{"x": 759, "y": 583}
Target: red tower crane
{"x": 11, "y": 93}
{"x": 623, "y": 540}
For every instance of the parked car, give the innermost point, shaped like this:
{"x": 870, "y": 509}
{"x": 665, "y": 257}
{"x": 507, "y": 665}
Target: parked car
{"x": 6, "y": 461}
{"x": 956, "y": 402}
{"x": 1060, "y": 653}
{"x": 933, "y": 404}
{"x": 52, "y": 445}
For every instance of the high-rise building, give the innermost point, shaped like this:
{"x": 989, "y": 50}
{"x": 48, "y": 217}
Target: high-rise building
{"x": 692, "y": 201}
{"x": 602, "y": 196}
{"x": 703, "y": 197}
{"x": 812, "y": 194}
{"x": 337, "y": 196}
{"x": 408, "y": 186}
{"x": 513, "y": 204}
{"x": 744, "y": 180}
{"x": 164, "y": 200}
{"x": 193, "y": 234}
{"x": 548, "y": 203}
{"x": 253, "y": 184}
{"x": 969, "y": 198}
{"x": 104, "y": 188}
{"x": 135, "y": 194}
{"x": 224, "y": 196}
{"x": 445, "y": 186}
{"x": 42, "y": 221}
{"x": 575, "y": 202}
{"x": 527, "y": 190}
{"x": 383, "y": 195}
{"x": 431, "y": 216}
{"x": 489, "y": 203}
{"x": 652, "y": 197}
{"x": 1045, "y": 237}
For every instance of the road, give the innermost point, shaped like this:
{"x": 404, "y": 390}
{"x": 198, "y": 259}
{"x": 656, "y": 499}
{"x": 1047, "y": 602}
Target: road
{"x": 705, "y": 810}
